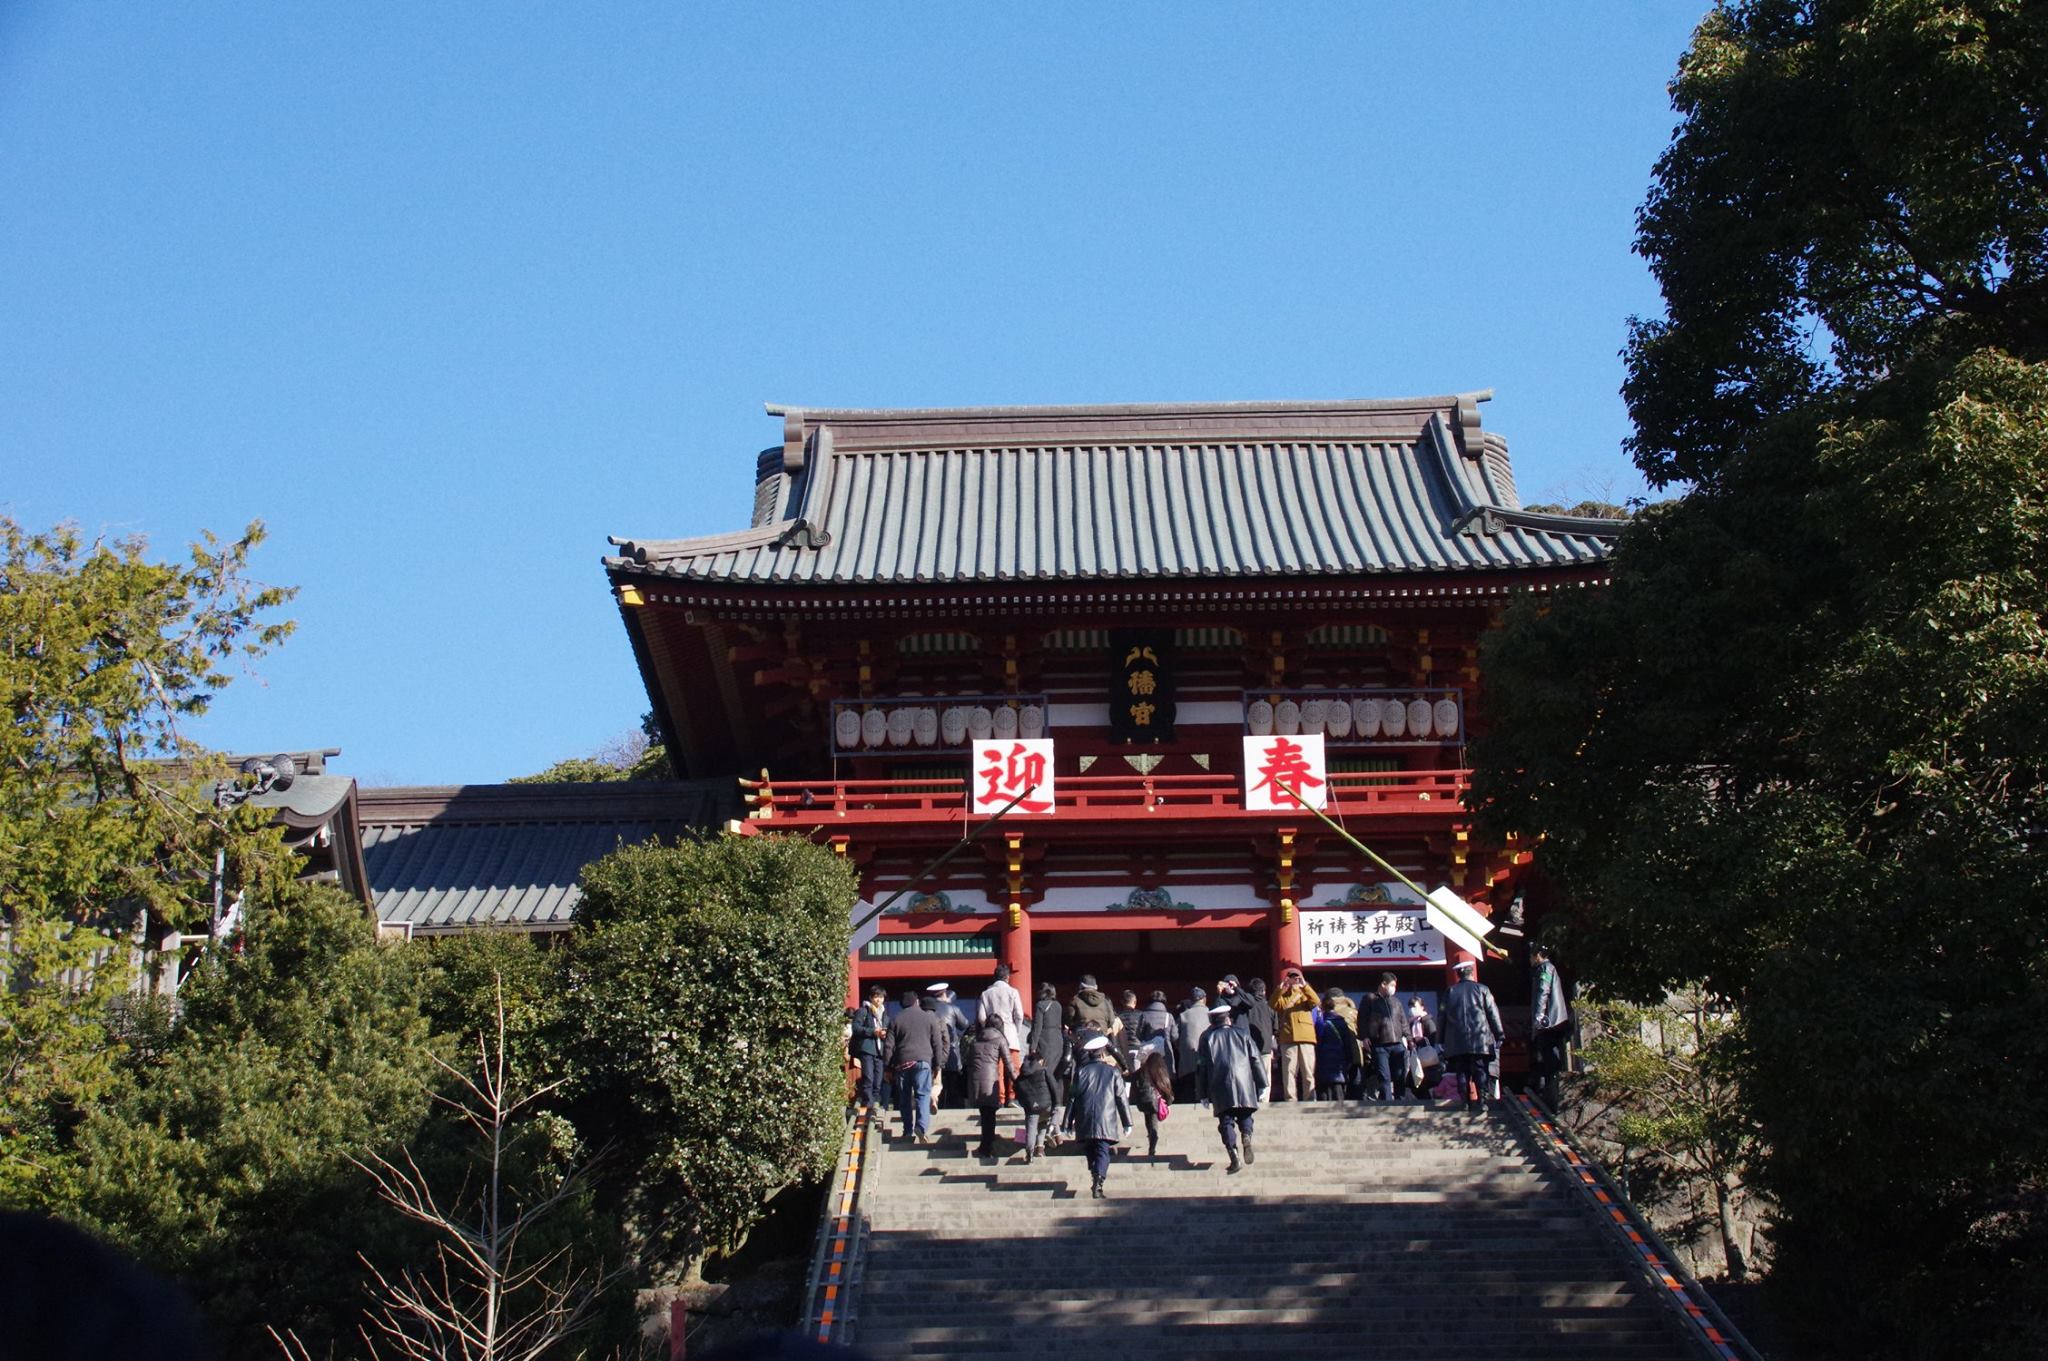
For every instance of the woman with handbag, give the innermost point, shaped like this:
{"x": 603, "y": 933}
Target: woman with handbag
{"x": 1151, "y": 1091}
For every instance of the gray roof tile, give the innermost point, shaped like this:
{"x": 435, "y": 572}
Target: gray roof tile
{"x": 1233, "y": 490}
{"x": 477, "y": 856}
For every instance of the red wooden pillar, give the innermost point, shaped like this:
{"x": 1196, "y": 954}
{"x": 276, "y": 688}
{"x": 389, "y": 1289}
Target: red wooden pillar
{"x": 1286, "y": 927}
{"x": 1013, "y": 947}
{"x": 1013, "y": 937}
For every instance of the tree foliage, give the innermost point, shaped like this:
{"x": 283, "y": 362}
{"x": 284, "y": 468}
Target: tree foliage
{"x": 1853, "y": 184}
{"x": 705, "y": 999}
{"x": 1796, "y": 756}
{"x": 108, "y": 827}
{"x": 1660, "y": 1083}
{"x": 226, "y": 1161}
{"x": 636, "y": 755}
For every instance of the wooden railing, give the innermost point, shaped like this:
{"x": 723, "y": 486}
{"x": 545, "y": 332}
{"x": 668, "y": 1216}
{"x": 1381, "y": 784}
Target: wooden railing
{"x": 1096, "y": 797}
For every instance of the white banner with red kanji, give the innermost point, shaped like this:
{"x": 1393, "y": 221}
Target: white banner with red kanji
{"x": 1274, "y": 765}
{"x": 1006, "y": 769}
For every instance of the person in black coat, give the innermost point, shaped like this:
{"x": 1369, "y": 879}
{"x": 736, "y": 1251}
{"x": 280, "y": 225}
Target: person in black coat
{"x": 1096, "y": 1112}
{"x": 870, "y": 1034}
{"x": 1472, "y": 1034}
{"x": 1047, "y": 1038}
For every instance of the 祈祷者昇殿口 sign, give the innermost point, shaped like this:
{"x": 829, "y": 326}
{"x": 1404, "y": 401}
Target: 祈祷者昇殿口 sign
{"x": 1392, "y": 935}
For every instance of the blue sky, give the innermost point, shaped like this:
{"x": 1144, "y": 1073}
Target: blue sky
{"x": 446, "y": 293}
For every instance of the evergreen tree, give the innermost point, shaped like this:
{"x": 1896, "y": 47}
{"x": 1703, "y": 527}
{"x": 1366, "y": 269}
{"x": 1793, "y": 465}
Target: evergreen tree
{"x": 1797, "y": 756}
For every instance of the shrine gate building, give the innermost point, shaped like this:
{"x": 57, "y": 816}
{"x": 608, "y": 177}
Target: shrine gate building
{"x": 1113, "y": 621}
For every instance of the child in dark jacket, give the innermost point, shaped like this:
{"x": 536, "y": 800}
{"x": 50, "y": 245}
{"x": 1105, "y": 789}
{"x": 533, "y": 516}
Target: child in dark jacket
{"x": 1034, "y": 1094}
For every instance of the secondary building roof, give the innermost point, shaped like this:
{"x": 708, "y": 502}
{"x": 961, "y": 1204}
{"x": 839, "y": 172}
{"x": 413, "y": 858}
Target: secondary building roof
{"x": 466, "y": 857}
{"x": 1255, "y": 490}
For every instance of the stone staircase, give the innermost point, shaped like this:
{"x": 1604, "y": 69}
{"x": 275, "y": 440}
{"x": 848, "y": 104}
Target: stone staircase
{"x": 1360, "y": 1233}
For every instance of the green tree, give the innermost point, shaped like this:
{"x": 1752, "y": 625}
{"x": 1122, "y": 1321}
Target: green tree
{"x": 705, "y": 998}
{"x": 637, "y": 755}
{"x": 108, "y": 827}
{"x": 1853, "y": 185}
{"x": 1660, "y": 1085}
{"x": 516, "y": 1264}
{"x": 1796, "y": 757}
{"x": 225, "y": 1161}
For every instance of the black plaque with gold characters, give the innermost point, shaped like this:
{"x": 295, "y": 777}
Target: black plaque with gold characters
{"x": 1141, "y": 684}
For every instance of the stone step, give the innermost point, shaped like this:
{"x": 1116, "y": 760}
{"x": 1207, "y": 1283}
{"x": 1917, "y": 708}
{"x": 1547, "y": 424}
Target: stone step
{"x": 1360, "y": 1233}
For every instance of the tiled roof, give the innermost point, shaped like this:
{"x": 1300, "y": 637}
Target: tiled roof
{"x": 1038, "y": 493}
{"x": 473, "y": 856}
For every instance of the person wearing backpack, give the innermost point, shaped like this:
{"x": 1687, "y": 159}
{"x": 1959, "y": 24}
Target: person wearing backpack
{"x": 1156, "y": 1022}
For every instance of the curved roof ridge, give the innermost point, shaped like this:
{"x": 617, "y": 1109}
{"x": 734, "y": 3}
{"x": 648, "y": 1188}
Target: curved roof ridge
{"x": 1439, "y": 402}
{"x": 1035, "y": 493}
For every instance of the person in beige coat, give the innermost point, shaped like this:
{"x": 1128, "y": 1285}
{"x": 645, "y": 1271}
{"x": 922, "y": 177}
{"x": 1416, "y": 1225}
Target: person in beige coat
{"x": 1294, "y": 1013}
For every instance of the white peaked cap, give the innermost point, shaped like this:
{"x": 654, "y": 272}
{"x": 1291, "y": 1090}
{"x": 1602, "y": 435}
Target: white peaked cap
{"x": 1219, "y": 1010}
{"x": 937, "y": 987}
{"x": 1097, "y": 1042}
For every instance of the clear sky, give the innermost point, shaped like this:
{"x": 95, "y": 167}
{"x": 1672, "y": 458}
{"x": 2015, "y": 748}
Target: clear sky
{"x": 446, "y": 293}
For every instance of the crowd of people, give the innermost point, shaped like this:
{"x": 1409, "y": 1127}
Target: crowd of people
{"x": 1092, "y": 1069}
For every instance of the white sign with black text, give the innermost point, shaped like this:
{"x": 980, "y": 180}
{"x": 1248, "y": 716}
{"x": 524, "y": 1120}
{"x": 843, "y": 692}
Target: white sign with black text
{"x": 1390, "y": 935}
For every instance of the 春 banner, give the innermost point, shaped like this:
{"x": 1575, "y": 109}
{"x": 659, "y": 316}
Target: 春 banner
{"x": 1273, "y": 766}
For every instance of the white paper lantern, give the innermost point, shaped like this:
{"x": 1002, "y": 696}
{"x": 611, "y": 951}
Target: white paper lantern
{"x": 1338, "y": 720}
{"x": 1031, "y": 722}
{"x": 981, "y": 724}
{"x": 901, "y": 721}
{"x": 1258, "y": 716}
{"x": 1419, "y": 718}
{"x": 1447, "y": 717}
{"x": 924, "y": 725}
{"x": 846, "y": 728}
{"x": 874, "y": 728}
{"x": 1393, "y": 718}
{"x": 1365, "y": 717}
{"x": 1005, "y": 721}
{"x": 1287, "y": 718}
{"x": 1312, "y": 712}
{"x": 953, "y": 725}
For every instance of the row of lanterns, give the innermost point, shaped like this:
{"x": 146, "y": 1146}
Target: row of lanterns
{"x": 927, "y": 725}
{"x": 1367, "y": 718}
